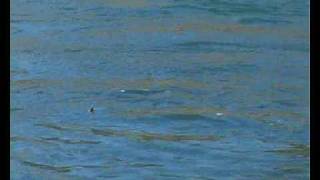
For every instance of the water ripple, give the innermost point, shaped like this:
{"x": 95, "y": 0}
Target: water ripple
{"x": 146, "y": 136}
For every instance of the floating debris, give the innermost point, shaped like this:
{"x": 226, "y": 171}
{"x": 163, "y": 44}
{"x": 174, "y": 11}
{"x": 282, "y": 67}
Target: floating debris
{"x": 143, "y": 92}
{"x": 219, "y": 114}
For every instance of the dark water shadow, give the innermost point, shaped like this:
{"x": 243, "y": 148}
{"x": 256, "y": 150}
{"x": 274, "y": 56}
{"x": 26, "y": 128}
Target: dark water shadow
{"x": 301, "y": 150}
{"x": 146, "y": 136}
{"x": 59, "y": 169}
{"x": 28, "y": 139}
{"x": 145, "y": 165}
{"x": 16, "y": 109}
{"x": 57, "y": 127}
{"x": 69, "y": 141}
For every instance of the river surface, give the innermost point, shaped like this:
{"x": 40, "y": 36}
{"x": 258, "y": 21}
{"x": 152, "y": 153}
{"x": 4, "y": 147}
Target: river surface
{"x": 192, "y": 89}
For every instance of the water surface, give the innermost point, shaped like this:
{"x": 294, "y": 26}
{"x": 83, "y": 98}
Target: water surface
{"x": 208, "y": 89}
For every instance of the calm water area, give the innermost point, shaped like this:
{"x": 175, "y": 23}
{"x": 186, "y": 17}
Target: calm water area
{"x": 182, "y": 89}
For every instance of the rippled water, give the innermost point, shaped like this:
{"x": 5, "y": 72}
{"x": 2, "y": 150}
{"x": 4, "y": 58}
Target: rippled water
{"x": 206, "y": 89}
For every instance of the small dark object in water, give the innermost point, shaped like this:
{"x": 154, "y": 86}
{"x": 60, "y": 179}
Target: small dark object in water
{"x": 92, "y": 110}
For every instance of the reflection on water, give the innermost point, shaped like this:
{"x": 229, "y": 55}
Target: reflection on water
{"x": 181, "y": 89}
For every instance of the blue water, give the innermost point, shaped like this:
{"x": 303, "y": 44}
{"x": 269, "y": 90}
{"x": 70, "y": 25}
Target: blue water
{"x": 181, "y": 89}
